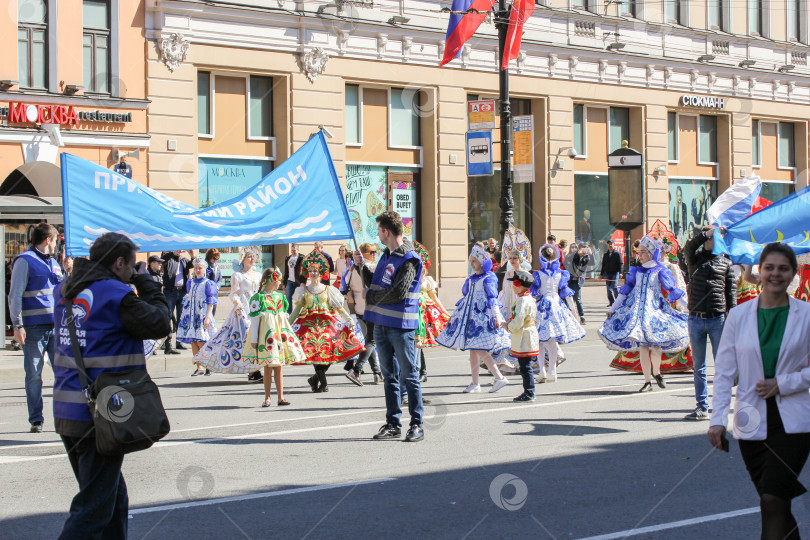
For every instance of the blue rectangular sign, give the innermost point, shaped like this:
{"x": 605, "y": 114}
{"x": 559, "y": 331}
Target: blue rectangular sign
{"x": 479, "y": 153}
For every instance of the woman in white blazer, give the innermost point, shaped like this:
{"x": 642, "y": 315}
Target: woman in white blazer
{"x": 766, "y": 343}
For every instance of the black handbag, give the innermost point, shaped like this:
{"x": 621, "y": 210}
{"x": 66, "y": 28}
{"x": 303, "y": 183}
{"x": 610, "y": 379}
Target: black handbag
{"x": 127, "y": 411}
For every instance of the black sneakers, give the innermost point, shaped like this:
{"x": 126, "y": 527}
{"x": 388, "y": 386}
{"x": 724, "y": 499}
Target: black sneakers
{"x": 389, "y": 432}
{"x": 415, "y": 434}
{"x": 36, "y": 427}
{"x": 697, "y": 414}
{"x": 660, "y": 380}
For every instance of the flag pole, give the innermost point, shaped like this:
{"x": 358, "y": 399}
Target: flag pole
{"x": 507, "y": 202}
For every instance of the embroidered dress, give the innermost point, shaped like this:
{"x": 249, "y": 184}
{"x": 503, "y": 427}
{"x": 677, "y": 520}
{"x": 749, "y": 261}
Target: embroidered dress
{"x": 473, "y": 325}
{"x": 270, "y": 329}
{"x": 223, "y": 352}
{"x": 323, "y": 326}
{"x": 554, "y": 319}
{"x": 522, "y": 327}
{"x": 432, "y": 317}
{"x": 508, "y": 297}
{"x": 643, "y": 315}
{"x": 199, "y": 293}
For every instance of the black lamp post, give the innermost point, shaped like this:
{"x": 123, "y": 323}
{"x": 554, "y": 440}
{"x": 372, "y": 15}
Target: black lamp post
{"x": 507, "y": 202}
{"x": 626, "y": 191}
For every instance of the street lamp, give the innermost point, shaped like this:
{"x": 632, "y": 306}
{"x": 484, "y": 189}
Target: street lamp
{"x": 626, "y": 189}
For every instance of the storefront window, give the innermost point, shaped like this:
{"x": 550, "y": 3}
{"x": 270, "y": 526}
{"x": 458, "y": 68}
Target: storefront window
{"x": 689, "y": 200}
{"x": 222, "y": 179}
{"x": 774, "y": 191}
{"x": 485, "y": 211}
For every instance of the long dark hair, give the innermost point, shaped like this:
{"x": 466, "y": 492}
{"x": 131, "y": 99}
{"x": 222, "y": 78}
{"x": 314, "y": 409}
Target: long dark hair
{"x": 783, "y": 249}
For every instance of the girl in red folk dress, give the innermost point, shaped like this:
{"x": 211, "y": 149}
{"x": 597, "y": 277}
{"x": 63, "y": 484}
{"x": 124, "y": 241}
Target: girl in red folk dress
{"x": 433, "y": 317}
{"x": 321, "y": 322}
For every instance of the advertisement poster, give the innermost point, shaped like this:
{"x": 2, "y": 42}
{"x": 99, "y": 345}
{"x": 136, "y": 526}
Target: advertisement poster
{"x": 222, "y": 179}
{"x": 366, "y": 198}
{"x": 688, "y": 202}
{"x": 523, "y": 148}
{"x": 403, "y": 196}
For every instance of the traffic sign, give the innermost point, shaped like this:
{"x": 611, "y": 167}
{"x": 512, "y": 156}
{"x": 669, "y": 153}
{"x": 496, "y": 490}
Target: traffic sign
{"x": 479, "y": 153}
{"x": 481, "y": 115}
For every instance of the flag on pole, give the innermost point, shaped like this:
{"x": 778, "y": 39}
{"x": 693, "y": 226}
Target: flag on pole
{"x": 735, "y": 203}
{"x": 466, "y": 17}
{"x": 521, "y": 11}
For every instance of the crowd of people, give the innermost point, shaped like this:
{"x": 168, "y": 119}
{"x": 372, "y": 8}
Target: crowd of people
{"x": 383, "y": 310}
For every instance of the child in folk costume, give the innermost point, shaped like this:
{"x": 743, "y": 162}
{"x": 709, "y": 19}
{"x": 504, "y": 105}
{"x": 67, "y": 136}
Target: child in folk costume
{"x": 272, "y": 342}
{"x": 515, "y": 262}
{"x": 197, "y": 320}
{"x": 321, "y": 322}
{"x": 642, "y": 317}
{"x": 523, "y": 332}
{"x": 476, "y": 324}
{"x": 556, "y": 322}
{"x": 223, "y": 353}
{"x": 432, "y": 315}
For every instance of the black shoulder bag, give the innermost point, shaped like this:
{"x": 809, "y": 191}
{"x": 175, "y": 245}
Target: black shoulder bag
{"x": 127, "y": 411}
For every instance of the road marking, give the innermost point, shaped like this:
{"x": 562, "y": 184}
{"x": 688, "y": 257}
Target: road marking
{"x": 674, "y": 524}
{"x": 263, "y": 495}
{"x": 11, "y": 459}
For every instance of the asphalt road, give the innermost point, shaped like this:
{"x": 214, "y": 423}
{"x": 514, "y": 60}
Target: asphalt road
{"x": 590, "y": 458}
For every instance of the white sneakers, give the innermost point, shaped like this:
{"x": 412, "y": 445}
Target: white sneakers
{"x": 498, "y": 384}
{"x": 473, "y": 389}
{"x": 551, "y": 377}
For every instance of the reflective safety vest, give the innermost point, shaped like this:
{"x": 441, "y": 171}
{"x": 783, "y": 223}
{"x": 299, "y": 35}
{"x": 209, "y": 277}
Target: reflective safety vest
{"x": 105, "y": 346}
{"x": 37, "y": 299}
{"x": 403, "y": 314}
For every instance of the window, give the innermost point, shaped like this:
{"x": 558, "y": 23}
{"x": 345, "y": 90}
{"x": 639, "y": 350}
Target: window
{"x": 260, "y": 107}
{"x": 786, "y": 149}
{"x": 673, "y": 11}
{"x": 755, "y": 17}
{"x": 756, "y": 147}
{"x": 96, "y": 46}
{"x": 793, "y": 10}
{"x": 32, "y": 60}
{"x": 204, "y": 126}
{"x": 628, "y": 7}
{"x": 579, "y": 129}
{"x": 715, "y": 18}
{"x": 403, "y": 124}
{"x": 579, "y": 4}
{"x": 619, "y": 127}
{"x": 353, "y": 114}
{"x": 707, "y": 139}
{"x": 672, "y": 136}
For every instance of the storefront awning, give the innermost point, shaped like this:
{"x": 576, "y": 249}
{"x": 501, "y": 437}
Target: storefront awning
{"x": 30, "y": 207}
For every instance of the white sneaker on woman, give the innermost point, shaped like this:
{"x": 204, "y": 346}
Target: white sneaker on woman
{"x": 498, "y": 384}
{"x": 473, "y": 389}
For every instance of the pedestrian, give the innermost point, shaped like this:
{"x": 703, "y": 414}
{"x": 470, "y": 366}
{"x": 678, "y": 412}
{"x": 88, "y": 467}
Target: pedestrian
{"x": 67, "y": 266}
{"x": 114, "y": 322}
{"x": 642, "y": 318}
{"x": 475, "y": 325}
{"x": 764, "y": 350}
{"x": 556, "y": 323}
{"x": 154, "y": 267}
{"x": 433, "y": 318}
{"x": 353, "y": 284}
{"x": 521, "y": 325}
{"x": 213, "y": 272}
{"x": 272, "y": 343}
{"x": 34, "y": 274}
{"x": 611, "y": 268}
{"x": 712, "y": 293}
{"x": 290, "y": 279}
{"x": 223, "y": 352}
{"x": 514, "y": 262}
{"x": 197, "y": 323}
{"x": 576, "y": 264}
{"x": 494, "y": 253}
{"x": 175, "y": 272}
{"x": 320, "y": 320}
{"x": 392, "y": 305}
{"x": 341, "y": 265}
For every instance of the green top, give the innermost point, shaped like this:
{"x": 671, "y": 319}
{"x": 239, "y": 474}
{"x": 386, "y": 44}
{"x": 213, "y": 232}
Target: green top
{"x": 771, "y": 323}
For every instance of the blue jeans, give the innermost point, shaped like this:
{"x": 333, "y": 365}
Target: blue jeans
{"x": 174, "y": 297}
{"x": 38, "y": 340}
{"x": 612, "y": 287}
{"x": 396, "y": 350}
{"x": 573, "y": 284}
{"x": 100, "y": 508}
{"x": 527, "y": 374}
{"x": 699, "y": 329}
{"x": 288, "y": 292}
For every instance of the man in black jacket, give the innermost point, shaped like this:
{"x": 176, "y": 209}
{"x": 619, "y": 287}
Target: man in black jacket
{"x": 290, "y": 279}
{"x": 175, "y": 276}
{"x": 576, "y": 262}
{"x": 712, "y": 293}
{"x": 611, "y": 268}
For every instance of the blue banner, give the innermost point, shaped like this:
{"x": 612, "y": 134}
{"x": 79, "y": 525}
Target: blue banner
{"x": 787, "y": 220}
{"x": 300, "y": 201}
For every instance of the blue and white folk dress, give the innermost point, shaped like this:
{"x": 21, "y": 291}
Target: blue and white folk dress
{"x": 554, "y": 318}
{"x": 199, "y": 293}
{"x": 643, "y": 317}
{"x": 473, "y": 325}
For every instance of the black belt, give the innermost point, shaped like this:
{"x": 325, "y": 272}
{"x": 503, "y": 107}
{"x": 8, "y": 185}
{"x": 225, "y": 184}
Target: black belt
{"x": 705, "y": 315}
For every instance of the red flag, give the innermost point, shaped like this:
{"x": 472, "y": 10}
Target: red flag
{"x": 759, "y": 204}
{"x": 521, "y": 11}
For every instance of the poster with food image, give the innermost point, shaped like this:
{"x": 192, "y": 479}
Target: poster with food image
{"x": 366, "y": 198}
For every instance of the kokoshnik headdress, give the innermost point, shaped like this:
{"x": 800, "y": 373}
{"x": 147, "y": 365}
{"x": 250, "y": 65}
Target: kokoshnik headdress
{"x": 423, "y": 254}
{"x": 315, "y": 257}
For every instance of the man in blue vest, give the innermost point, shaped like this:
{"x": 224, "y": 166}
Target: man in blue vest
{"x": 111, "y": 324}
{"x": 30, "y": 301}
{"x": 392, "y": 305}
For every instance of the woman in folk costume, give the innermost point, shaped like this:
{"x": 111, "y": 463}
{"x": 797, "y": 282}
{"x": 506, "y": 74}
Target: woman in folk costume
{"x": 223, "y": 353}
{"x": 475, "y": 326}
{"x": 556, "y": 323}
{"x": 433, "y": 317}
{"x": 197, "y": 319}
{"x": 321, "y": 322}
{"x": 671, "y": 362}
{"x": 642, "y": 318}
{"x": 746, "y": 290}
{"x": 271, "y": 342}
{"x": 508, "y": 297}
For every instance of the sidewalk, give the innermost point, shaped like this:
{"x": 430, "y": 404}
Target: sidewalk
{"x": 594, "y": 300}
